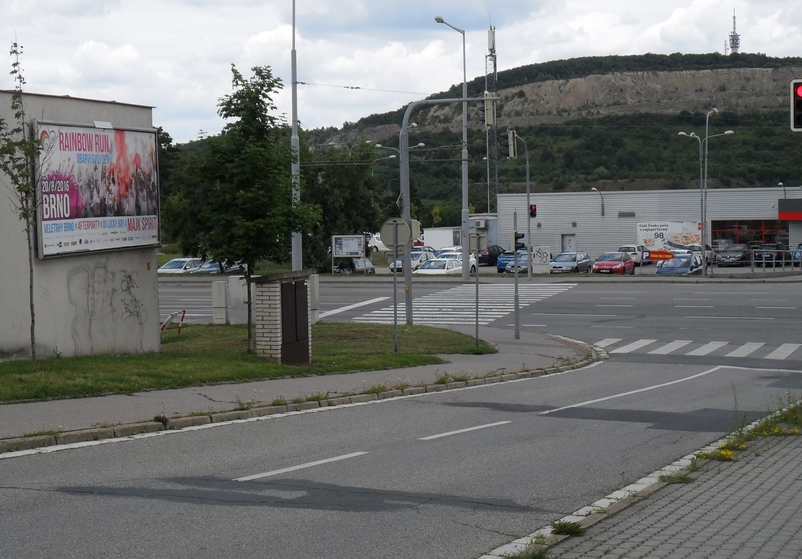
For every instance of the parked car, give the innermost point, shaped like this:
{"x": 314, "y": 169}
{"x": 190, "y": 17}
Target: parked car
{"x": 439, "y": 267}
{"x": 614, "y": 263}
{"x": 443, "y": 250}
{"x": 570, "y": 262}
{"x": 180, "y": 266}
{"x": 796, "y": 258}
{"x": 734, "y": 255}
{"x": 458, "y": 256}
{"x": 490, "y": 255}
{"x": 504, "y": 258}
{"x": 375, "y": 243}
{"x": 422, "y": 248}
{"x": 709, "y": 255}
{"x": 359, "y": 265}
{"x": 523, "y": 262}
{"x": 771, "y": 253}
{"x": 215, "y": 266}
{"x": 720, "y": 244}
{"x": 638, "y": 253}
{"x": 682, "y": 265}
{"x": 418, "y": 258}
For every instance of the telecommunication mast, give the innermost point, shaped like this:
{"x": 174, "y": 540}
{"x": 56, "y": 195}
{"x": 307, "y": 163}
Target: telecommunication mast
{"x": 491, "y": 130}
{"x": 735, "y": 39}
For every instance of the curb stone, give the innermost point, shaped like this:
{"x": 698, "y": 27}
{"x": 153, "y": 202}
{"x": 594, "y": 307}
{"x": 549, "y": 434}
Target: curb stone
{"x": 177, "y": 423}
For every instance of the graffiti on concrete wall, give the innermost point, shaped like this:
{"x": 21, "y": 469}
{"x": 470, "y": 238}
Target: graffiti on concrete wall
{"x": 110, "y": 315}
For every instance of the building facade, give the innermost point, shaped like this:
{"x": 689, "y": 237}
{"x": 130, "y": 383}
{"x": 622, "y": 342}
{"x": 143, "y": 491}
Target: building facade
{"x": 96, "y": 235}
{"x": 599, "y": 221}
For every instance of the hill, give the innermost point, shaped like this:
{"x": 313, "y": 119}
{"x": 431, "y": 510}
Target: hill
{"x": 611, "y": 120}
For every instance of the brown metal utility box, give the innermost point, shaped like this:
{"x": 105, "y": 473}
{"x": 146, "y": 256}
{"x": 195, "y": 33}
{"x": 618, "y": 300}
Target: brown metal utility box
{"x": 281, "y": 310}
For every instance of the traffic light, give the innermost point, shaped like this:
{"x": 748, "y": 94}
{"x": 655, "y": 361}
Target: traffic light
{"x": 511, "y": 143}
{"x": 532, "y": 210}
{"x": 796, "y": 105}
{"x": 516, "y": 244}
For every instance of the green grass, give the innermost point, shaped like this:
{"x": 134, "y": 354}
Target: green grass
{"x": 206, "y": 354}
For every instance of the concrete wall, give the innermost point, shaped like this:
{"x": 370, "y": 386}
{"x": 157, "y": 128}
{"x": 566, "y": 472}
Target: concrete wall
{"x": 105, "y": 302}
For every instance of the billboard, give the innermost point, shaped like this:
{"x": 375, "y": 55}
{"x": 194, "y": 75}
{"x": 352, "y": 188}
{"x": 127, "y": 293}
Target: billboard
{"x": 665, "y": 235}
{"x": 96, "y": 189}
{"x": 343, "y": 246}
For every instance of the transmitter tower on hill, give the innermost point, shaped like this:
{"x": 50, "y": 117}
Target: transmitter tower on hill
{"x": 735, "y": 39}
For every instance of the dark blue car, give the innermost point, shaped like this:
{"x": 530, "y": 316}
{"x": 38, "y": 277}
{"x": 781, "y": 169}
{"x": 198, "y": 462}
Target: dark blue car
{"x": 681, "y": 265}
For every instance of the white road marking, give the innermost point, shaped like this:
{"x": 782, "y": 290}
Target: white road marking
{"x": 784, "y": 308}
{"x": 745, "y": 349}
{"x": 693, "y": 306}
{"x": 300, "y": 466}
{"x": 354, "y": 306}
{"x": 615, "y": 305}
{"x": 633, "y": 346}
{"x": 631, "y": 392}
{"x": 707, "y": 348}
{"x": 430, "y": 437}
{"x": 668, "y": 348}
{"x": 783, "y": 351}
{"x": 729, "y": 317}
{"x": 607, "y": 342}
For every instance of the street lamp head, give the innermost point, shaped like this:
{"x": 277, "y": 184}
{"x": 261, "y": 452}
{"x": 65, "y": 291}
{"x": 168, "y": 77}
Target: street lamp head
{"x": 712, "y": 111}
{"x": 594, "y": 188}
{"x": 726, "y": 132}
{"x": 391, "y": 157}
{"x": 681, "y": 134}
{"x": 379, "y": 146}
{"x": 420, "y": 145}
{"x": 439, "y": 19}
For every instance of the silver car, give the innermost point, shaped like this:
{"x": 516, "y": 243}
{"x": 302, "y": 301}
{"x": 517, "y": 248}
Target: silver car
{"x": 570, "y": 262}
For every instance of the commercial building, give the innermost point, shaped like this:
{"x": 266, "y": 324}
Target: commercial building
{"x": 598, "y": 221}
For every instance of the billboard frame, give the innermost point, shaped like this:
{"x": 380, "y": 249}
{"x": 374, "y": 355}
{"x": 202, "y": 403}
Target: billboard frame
{"x": 97, "y": 189}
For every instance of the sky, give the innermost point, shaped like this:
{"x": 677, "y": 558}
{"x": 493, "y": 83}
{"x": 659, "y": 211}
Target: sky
{"x": 354, "y": 57}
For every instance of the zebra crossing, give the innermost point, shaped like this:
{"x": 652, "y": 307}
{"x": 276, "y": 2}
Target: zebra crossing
{"x": 458, "y": 304}
{"x": 758, "y": 350}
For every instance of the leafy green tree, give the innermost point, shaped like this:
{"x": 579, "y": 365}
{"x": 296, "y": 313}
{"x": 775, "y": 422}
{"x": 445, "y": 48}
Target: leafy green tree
{"x": 19, "y": 154}
{"x": 233, "y": 199}
{"x": 342, "y": 188}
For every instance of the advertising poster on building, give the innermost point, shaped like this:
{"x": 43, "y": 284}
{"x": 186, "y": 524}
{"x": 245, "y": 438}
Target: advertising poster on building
{"x": 97, "y": 189}
{"x": 665, "y": 235}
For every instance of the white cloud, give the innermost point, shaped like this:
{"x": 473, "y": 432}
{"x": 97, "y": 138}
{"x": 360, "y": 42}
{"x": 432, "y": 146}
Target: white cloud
{"x": 176, "y": 55}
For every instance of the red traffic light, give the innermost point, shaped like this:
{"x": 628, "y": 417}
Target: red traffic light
{"x": 532, "y": 210}
{"x": 796, "y": 105}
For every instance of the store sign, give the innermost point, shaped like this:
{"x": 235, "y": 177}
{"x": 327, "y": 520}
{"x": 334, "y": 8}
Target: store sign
{"x": 665, "y": 235}
{"x": 96, "y": 189}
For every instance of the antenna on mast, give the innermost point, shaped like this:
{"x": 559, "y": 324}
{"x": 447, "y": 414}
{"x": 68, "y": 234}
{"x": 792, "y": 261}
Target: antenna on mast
{"x": 735, "y": 39}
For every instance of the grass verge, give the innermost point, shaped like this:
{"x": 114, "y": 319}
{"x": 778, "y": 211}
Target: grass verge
{"x": 207, "y": 354}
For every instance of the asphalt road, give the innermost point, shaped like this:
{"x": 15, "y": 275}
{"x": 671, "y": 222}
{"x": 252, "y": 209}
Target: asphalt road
{"x": 446, "y": 475}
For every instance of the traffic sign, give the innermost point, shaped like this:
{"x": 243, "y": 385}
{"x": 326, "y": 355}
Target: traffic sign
{"x": 660, "y": 255}
{"x": 395, "y": 232}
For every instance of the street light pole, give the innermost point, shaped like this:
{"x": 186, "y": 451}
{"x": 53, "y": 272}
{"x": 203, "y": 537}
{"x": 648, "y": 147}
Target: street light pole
{"x": 516, "y": 137}
{"x": 295, "y": 144}
{"x": 466, "y": 264}
{"x": 594, "y": 189}
{"x": 703, "y": 180}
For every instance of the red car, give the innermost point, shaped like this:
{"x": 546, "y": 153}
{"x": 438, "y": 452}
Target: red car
{"x": 614, "y": 263}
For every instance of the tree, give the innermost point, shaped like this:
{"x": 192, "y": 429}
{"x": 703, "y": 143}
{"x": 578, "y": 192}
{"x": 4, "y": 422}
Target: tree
{"x": 19, "y": 152}
{"x": 233, "y": 199}
{"x": 345, "y": 193}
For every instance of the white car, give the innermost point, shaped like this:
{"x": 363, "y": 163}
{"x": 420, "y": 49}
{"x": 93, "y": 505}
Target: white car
{"x": 458, "y": 256}
{"x": 710, "y": 256}
{"x": 418, "y": 258}
{"x": 439, "y": 267}
{"x": 180, "y": 266}
{"x": 638, "y": 253}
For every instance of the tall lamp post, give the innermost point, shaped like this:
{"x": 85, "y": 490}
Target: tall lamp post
{"x": 703, "y": 179}
{"x": 515, "y": 137}
{"x": 297, "y": 239}
{"x": 594, "y": 189}
{"x": 464, "y": 236}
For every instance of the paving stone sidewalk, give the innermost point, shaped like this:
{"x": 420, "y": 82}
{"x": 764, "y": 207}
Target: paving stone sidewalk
{"x": 750, "y": 508}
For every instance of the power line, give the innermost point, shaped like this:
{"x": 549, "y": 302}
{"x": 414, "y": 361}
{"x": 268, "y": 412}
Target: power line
{"x": 363, "y": 88}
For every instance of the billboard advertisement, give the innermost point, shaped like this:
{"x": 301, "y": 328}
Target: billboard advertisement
{"x": 344, "y": 246}
{"x": 96, "y": 189}
{"x": 665, "y": 235}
